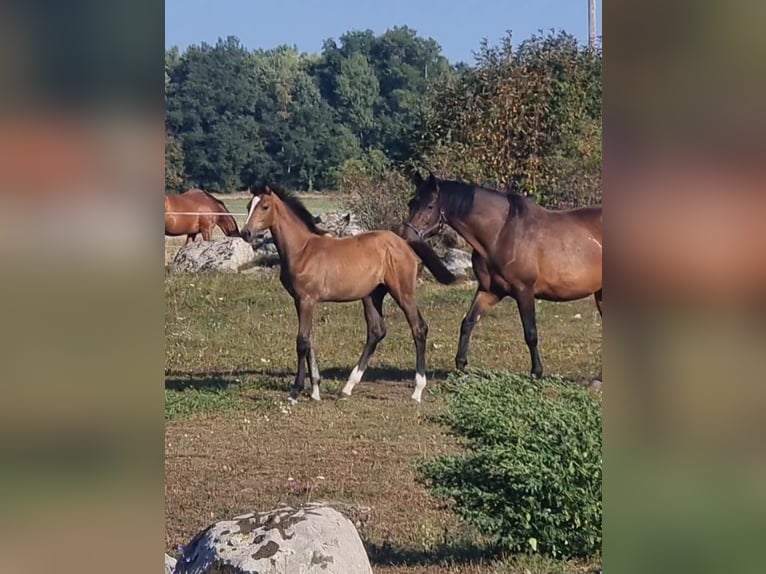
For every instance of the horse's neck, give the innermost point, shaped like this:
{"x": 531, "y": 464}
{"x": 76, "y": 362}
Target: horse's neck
{"x": 290, "y": 234}
{"x": 481, "y": 227}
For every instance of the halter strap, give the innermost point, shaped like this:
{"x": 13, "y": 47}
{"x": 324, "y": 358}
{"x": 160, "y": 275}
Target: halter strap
{"x": 437, "y": 227}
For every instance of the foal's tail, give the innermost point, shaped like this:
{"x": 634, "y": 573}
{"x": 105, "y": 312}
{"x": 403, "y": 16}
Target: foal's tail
{"x": 432, "y": 262}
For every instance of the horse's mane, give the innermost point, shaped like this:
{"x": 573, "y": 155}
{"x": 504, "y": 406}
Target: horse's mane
{"x": 295, "y": 205}
{"x": 208, "y": 195}
{"x": 218, "y": 201}
{"x": 458, "y": 196}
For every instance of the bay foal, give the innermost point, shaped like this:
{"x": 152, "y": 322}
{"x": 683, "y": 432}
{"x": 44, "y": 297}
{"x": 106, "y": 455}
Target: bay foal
{"x": 316, "y": 268}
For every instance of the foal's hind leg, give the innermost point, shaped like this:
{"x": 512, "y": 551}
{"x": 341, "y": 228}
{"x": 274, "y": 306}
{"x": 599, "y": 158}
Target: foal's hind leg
{"x": 311, "y": 364}
{"x": 376, "y": 330}
{"x": 525, "y": 299}
{"x": 419, "y": 329}
{"x": 482, "y": 302}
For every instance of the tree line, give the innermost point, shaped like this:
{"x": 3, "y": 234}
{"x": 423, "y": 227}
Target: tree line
{"x": 527, "y": 116}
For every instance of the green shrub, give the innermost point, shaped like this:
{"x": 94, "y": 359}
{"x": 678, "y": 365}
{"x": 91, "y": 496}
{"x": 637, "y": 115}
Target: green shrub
{"x": 525, "y": 116}
{"x": 375, "y": 191}
{"x": 530, "y": 478}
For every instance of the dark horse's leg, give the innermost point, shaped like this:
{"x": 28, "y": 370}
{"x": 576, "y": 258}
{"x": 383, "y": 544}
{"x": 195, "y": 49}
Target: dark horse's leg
{"x": 525, "y": 299}
{"x": 190, "y": 237}
{"x": 599, "y": 297}
{"x": 376, "y": 331}
{"x": 482, "y": 302}
{"x": 305, "y": 309}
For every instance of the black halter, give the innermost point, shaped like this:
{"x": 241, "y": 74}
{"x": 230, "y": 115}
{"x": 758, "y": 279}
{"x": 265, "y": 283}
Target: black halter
{"x": 436, "y": 227}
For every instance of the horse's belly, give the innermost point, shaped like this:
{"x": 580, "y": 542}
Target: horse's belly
{"x": 568, "y": 285}
{"x": 344, "y": 281}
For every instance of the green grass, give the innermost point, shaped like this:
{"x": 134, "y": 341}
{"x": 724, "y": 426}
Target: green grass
{"x": 232, "y": 443}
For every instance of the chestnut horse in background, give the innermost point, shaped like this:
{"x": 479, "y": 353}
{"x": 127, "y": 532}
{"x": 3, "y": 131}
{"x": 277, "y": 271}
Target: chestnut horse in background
{"x": 197, "y": 211}
{"x": 316, "y": 267}
{"x": 520, "y": 250}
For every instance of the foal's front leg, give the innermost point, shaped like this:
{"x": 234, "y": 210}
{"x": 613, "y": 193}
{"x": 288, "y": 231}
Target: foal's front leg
{"x": 305, "y": 309}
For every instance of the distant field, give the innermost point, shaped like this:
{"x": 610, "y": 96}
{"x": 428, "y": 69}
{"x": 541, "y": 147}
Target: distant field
{"x": 315, "y": 202}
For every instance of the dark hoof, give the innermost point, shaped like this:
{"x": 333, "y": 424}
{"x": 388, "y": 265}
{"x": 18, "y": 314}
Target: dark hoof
{"x": 461, "y": 364}
{"x": 536, "y": 374}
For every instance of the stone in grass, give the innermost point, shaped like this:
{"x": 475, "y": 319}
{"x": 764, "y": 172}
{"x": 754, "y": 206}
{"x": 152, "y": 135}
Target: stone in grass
{"x": 312, "y": 539}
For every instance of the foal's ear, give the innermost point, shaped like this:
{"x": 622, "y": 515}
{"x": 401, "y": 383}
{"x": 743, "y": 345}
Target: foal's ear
{"x": 266, "y": 190}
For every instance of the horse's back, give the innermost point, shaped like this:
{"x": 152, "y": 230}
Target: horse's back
{"x": 378, "y": 240}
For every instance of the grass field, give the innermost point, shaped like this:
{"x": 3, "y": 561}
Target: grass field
{"x": 233, "y": 446}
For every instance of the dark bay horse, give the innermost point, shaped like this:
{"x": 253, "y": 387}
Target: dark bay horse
{"x": 197, "y": 211}
{"x": 316, "y": 267}
{"x": 520, "y": 250}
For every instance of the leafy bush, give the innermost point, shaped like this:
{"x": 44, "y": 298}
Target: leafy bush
{"x": 375, "y": 191}
{"x": 528, "y": 118}
{"x": 530, "y": 478}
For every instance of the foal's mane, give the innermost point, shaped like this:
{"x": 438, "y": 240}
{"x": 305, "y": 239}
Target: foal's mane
{"x": 457, "y": 197}
{"x": 295, "y": 205}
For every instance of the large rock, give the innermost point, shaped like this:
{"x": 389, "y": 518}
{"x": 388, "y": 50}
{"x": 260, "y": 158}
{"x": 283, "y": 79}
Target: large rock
{"x": 313, "y": 539}
{"x": 339, "y": 224}
{"x": 229, "y": 254}
{"x": 170, "y": 564}
{"x": 457, "y": 261}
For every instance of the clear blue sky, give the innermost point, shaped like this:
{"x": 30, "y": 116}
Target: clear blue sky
{"x": 458, "y": 25}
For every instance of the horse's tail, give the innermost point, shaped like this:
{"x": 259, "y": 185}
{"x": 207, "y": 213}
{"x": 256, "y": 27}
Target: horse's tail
{"x": 432, "y": 262}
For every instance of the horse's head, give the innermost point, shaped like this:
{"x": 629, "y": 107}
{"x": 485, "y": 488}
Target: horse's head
{"x": 426, "y": 214}
{"x": 260, "y": 213}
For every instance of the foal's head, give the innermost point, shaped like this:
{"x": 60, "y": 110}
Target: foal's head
{"x": 260, "y": 213}
{"x": 426, "y": 214}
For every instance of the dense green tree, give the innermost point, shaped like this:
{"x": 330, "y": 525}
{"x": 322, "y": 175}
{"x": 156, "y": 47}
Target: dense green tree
{"x": 528, "y": 117}
{"x": 357, "y": 91}
{"x": 211, "y": 110}
{"x": 175, "y": 179}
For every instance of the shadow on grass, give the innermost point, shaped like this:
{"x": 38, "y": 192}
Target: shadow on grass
{"x": 445, "y": 554}
{"x": 382, "y": 374}
{"x": 220, "y": 380}
{"x": 212, "y": 383}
